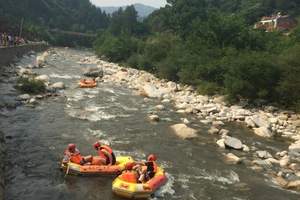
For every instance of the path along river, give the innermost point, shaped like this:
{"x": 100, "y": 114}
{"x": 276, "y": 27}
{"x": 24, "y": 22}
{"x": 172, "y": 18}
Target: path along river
{"x": 35, "y": 138}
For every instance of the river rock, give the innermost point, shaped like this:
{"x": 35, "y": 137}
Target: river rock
{"x": 296, "y": 123}
{"x": 159, "y": 107}
{"x": 224, "y": 132}
{"x": 249, "y": 122}
{"x": 263, "y": 132}
{"x": 93, "y": 72}
{"x": 213, "y": 130}
{"x": 40, "y": 61}
{"x": 234, "y": 143}
{"x": 221, "y": 143}
{"x": 217, "y": 123}
{"x": 232, "y": 159}
{"x": 284, "y": 161}
{"x": 293, "y": 185}
{"x": 32, "y": 101}
{"x": 263, "y": 154}
{"x": 294, "y": 149}
{"x": 24, "y": 71}
{"x": 183, "y": 131}
{"x": 44, "y": 78}
{"x": 246, "y": 148}
{"x": 23, "y": 97}
{"x": 261, "y": 120}
{"x": 154, "y": 118}
{"x": 58, "y": 85}
{"x": 262, "y": 163}
{"x": 149, "y": 90}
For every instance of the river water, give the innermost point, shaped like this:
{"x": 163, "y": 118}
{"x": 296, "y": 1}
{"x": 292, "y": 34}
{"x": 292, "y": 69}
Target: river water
{"x": 35, "y": 138}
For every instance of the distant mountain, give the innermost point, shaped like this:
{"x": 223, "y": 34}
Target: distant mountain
{"x": 143, "y": 10}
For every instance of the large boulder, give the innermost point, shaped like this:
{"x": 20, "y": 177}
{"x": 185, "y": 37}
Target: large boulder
{"x": 233, "y": 143}
{"x": 261, "y": 121}
{"x": 183, "y": 131}
{"x": 263, "y": 132}
{"x": 149, "y": 90}
{"x": 93, "y": 72}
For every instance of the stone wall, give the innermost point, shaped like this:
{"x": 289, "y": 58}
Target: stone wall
{"x": 8, "y": 54}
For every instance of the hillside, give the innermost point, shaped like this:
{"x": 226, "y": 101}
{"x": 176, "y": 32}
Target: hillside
{"x": 143, "y": 10}
{"x": 75, "y": 15}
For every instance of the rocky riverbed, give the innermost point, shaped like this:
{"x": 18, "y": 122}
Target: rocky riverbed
{"x": 230, "y": 152}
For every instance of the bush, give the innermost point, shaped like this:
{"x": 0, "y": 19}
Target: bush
{"x": 252, "y": 75}
{"x": 289, "y": 85}
{"x": 209, "y": 88}
{"x": 30, "y": 86}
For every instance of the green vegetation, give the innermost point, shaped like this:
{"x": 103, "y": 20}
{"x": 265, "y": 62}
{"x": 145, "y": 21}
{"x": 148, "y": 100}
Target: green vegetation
{"x": 212, "y": 45}
{"x": 42, "y": 16}
{"x": 31, "y": 86}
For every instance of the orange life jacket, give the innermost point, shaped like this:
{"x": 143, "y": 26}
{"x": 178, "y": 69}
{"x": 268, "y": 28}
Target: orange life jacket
{"x": 74, "y": 157}
{"x": 106, "y": 152}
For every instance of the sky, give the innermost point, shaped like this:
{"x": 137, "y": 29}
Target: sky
{"x": 154, "y": 3}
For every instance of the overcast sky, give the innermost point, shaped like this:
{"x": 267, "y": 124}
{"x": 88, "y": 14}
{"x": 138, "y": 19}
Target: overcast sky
{"x": 155, "y": 3}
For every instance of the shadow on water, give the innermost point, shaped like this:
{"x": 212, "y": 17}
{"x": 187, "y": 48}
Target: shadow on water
{"x": 36, "y": 137}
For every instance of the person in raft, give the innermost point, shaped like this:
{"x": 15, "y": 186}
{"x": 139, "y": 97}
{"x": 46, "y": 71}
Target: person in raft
{"x": 73, "y": 155}
{"x": 146, "y": 170}
{"x": 106, "y": 153}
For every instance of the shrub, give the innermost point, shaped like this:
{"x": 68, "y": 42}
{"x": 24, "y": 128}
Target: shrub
{"x": 30, "y": 86}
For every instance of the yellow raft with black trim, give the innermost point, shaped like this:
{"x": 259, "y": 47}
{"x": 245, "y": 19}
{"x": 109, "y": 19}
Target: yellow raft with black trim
{"x": 76, "y": 169}
{"x": 123, "y": 187}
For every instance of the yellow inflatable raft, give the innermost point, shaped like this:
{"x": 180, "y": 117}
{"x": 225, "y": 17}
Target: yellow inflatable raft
{"x": 125, "y": 185}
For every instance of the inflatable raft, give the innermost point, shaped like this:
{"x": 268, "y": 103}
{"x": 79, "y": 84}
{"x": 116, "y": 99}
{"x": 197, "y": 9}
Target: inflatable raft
{"x": 76, "y": 169}
{"x": 87, "y": 83}
{"x": 125, "y": 185}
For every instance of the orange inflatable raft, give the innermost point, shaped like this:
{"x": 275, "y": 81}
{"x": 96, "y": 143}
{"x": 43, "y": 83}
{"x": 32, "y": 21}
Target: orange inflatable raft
{"x": 76, "y": 169}
{"x": 87, "y": 83}
{"x": 125, "y": 185}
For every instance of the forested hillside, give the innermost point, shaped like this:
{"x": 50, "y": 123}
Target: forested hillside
{"x": 212, "y": 45}
{"x": 40, "y": 16}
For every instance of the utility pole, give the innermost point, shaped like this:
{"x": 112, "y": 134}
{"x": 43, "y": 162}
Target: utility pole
{"x": 21, "y": 27}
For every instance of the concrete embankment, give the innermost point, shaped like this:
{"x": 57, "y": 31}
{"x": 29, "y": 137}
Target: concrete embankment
{"x": 8, "y": 54}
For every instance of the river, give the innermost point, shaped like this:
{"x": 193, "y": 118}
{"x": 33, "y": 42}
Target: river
{"x": 35, "y": 137}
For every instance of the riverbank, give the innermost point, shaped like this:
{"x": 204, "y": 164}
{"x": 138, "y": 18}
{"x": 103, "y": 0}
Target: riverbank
{"x": 8, "y": 54}
{"x": 268, "y": 122}
{"x": 134, "y": 125}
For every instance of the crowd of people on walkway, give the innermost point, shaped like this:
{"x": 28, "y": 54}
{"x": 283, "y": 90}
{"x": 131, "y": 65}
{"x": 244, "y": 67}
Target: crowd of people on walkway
{"x": 7, "y": 40}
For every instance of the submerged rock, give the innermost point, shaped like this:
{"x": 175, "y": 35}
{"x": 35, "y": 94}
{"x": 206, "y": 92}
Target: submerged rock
{"x": 183, "y": 131}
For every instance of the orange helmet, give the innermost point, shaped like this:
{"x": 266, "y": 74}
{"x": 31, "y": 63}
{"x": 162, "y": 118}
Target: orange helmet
{"x": 97, "y": 145}
{"x": 71, "y": 147}
{"x": 152, "y": 158}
